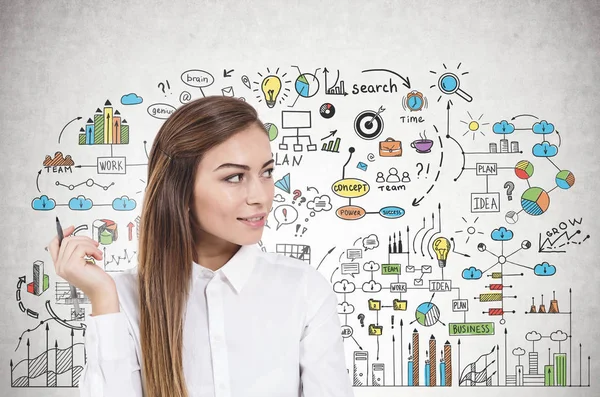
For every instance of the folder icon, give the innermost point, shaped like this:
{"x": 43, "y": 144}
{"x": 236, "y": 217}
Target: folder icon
{"x": 374, "y": 304}
{"x": 375, "y": 330}
{"x": 400, "y": 304}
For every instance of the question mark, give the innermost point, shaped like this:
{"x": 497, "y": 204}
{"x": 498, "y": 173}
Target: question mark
{"x": 297, "y": 193}
{"x": 421, "y": 170}
{"x": 303, "y": 199}
{"x": 361, "y": 317}
{"x": 509, "y": 186}
{"x": 163, "y": 86}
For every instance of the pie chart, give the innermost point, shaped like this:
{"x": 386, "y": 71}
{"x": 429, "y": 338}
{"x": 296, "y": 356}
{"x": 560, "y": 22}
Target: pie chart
{"x": 272, "y": 130}
{"x": 427, "y": 314}
{"x": 524, "y": 169}
{"x": 306, "y": 85}
{"x": 535, "y": 201}
{"x": 565, "y": 179}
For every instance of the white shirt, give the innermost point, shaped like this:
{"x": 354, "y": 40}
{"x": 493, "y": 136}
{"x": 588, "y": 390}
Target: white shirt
{"x": 262, "y": 325}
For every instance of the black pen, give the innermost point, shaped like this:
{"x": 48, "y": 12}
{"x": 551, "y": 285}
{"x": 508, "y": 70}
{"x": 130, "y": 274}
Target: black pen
{"x": 61, "y": 236}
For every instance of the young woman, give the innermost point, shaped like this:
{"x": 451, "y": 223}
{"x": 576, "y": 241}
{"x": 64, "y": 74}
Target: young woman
{"x": 206, "y": 312}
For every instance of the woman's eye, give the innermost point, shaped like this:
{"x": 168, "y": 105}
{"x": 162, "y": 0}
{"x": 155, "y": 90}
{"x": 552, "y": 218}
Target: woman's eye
{"x": 230, "y": 179}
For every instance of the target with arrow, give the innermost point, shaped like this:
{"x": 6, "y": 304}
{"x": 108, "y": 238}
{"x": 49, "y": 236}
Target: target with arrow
{"x": 369, "y": 124}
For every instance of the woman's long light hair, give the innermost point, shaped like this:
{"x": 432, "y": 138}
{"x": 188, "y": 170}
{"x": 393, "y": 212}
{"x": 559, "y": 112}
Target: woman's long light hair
{"x": 168, "y": 232}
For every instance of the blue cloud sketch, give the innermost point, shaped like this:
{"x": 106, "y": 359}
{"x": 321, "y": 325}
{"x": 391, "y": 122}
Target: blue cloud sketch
{"x": 43, "y": 203}
{"x": 131, "y": 99}
{"x": 502, "y": 234}
{"x": 544, "y": 269}
{"x": 123, "y": 203}
{"x": 543, "y": 127}
{"x": 544, "y": 149}
{"x": 503, "y": 127}
{"x": 80, "y": 203}
{"x": 471, "y": 273}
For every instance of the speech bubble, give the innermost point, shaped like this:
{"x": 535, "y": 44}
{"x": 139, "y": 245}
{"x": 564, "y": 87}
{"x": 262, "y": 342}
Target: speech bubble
{"x": 197, "y": 78}
{"x": 160, "y": 110}
{"x": 285, "y": 214}
{"x": 350, "y": 268}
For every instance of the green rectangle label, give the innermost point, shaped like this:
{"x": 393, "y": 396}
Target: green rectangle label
{"x": 465, "y": 329}
{"x": 390, "y": 269}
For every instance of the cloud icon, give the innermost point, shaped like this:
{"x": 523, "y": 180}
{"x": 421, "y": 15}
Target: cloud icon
{"x": 80, "y": 203}
{"x": 43, "y": 203}
{"x": 345, "y": 308}
{"x": 320, "y": 203}
{"x": 543, "y": 127}
{"x": 503, "y": 127}
{"x": 518, "y": 351}
{"x": 471, "y": 273}
{"x": 278, "y": 198}
{"x": 131, "y": 99}
{"x": 123, "y": 203}
{"x": 371, "y": 266}
{"x": 371, "y": 286}
{"x": 544, "y": 149}
{"x": 533, "y": 336}
{"x": 544, "y": 269}
{"x": 343, "y": 286}
{"x": 370, "y": 242}
{"x": 559, "y": 336}
{"x": 502, "y": 234}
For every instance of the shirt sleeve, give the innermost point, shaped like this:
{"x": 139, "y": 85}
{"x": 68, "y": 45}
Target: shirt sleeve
{"x": 322, "y": 364}
{"x": 112, "y": 368}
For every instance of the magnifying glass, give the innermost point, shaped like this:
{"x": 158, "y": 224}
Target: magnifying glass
{"x": 450, "y": 84}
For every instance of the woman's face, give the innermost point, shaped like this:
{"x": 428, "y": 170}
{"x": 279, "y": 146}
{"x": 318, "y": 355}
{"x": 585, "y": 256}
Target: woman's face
{"x": 233, "y": 181}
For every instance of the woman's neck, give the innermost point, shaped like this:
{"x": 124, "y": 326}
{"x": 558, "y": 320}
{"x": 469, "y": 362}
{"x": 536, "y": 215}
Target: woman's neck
{"x": 213, "y": 255}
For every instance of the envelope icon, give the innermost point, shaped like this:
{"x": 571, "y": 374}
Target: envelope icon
{"x": 410, "y": 269}
{"x": 418, "y": 282}
{"x": 426, "y": 269}
{"x": 227, "y": 91}
{"x": 361, "y": 166}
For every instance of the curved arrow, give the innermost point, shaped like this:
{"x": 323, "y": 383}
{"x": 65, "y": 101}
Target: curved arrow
{"x": 405, "y": 80}
{"x": 61, "y": 131}
{"x": 416, "y": 234}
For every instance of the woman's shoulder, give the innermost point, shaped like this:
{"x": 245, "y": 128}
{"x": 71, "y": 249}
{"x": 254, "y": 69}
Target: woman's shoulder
{"x": 294, "y": 267}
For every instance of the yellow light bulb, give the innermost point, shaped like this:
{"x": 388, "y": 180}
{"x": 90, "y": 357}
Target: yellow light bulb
{"x": 441, "y": 247}
{"x": 271, "y": 86}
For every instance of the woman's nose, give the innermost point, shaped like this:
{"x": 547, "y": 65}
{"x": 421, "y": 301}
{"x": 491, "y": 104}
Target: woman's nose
{"x": 260, "y": 191}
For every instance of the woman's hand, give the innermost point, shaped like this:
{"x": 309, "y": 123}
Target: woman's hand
{"x": 70, "y": 263}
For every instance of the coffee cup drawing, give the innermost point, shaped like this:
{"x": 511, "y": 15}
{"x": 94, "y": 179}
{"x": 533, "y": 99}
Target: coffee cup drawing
{"x": 422, "y": 145}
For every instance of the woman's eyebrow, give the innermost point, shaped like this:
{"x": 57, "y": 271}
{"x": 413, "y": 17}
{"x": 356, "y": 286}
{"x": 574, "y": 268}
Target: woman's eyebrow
{"x": 245, "y": 167}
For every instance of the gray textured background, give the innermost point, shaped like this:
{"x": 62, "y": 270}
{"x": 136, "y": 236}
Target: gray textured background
{"x": 62, "y": 59}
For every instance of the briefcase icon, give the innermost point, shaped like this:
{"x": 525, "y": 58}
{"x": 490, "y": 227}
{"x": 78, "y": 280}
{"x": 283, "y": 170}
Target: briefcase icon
{"x": 390, "y": 148}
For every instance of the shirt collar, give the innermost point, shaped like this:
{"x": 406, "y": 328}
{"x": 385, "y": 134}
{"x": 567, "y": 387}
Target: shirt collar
{"x": 238, "y": 269}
